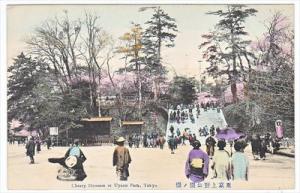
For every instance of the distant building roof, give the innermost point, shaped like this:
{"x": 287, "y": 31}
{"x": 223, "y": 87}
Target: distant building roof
{"x": 97, "y": 119}
{"x": 132, "y": 122}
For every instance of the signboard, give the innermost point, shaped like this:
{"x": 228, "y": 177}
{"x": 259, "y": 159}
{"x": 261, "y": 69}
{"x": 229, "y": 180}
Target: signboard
{"x": 53, "y": 130}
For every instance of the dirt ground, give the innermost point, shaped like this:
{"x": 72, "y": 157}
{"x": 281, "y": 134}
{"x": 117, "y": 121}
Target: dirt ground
{"x": 151, "y": 168}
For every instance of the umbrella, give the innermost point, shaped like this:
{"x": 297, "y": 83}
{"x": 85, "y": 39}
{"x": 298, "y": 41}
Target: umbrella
{"x": 228, "y": 134}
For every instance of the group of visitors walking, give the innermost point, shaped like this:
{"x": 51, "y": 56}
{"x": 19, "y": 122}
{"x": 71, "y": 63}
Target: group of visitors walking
{"x": 181, "y": 116}
{"x": 178, "y": 137}
{"x": 205, "y": 131}
{"x": 153, "y": 140}
{"x": 260, "y": 145}
{"x": 224, "y": 166}
{"x": 134, "y": 140}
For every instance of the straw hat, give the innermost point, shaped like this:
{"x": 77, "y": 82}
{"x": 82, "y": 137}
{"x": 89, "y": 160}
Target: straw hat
{"x": 71, "y": 161}
{"x": 120, "y": 139}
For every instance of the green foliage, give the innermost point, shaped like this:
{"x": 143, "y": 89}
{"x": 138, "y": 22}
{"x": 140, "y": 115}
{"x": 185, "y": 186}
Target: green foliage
{"x": 182, "y": 90}
{"x": 244, "y": 116}
{"x": 161, "y": 31}
{"x": 24, "y": 76}
{"x": 36, "y": 100}
{"x": 225, "y": 49}
{"x": 273, "y": 87}
{"x": 270, "y": 88}
{"x": 275, "y": 95}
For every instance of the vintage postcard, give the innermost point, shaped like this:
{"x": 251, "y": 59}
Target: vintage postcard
{"x": 151, "y": 97}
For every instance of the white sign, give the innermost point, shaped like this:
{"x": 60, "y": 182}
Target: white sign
{"x": 53, "y": 130}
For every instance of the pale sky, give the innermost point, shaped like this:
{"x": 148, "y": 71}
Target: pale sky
{"x": 115, "y": 19}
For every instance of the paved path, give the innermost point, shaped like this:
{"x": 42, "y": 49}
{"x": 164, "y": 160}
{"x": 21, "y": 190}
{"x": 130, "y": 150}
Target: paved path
{"x": 149, "y": 166}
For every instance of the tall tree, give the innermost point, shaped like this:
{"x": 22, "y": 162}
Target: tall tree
{"x": 34, "y": 97}
{"x": 96, "y": 52}
{"x": 160, "y": 32}
{"x": 271, "y": 82}
{"x": 276, "y": 47}
{"x": 225, "y": 49}
{"x": 132, "y": 47}
{"x": 183, "y": 90}
{"x": 56, "y": 42}
{"x": 271, "y": 85}
{"x": 24, "y": 76}
{"x": 74, "y": 49}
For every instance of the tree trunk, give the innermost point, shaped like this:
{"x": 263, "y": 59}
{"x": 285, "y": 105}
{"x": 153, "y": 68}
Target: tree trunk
{"x": 140, "y": 92}
{"x": 157, "y": 82}
{"x": 234, "y": 92}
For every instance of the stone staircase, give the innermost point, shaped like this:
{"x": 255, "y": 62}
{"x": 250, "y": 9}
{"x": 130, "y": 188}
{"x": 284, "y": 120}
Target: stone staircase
{"x": 209, "y": 118}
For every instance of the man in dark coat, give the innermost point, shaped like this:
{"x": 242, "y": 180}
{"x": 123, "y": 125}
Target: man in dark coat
{"x": 48, "y": 142}
{"x": 38, "y": 145}
{"x": 263, "y": 148}
{"x": 130, "y": 141}
{"x": 212, "y": 130}
{"x": 172, "y": 142}
{"x": 256, "y": 146}
{"x": 210, "y": 146}
{"x": 30, "y": 149}
{"x": 121, "y": 159}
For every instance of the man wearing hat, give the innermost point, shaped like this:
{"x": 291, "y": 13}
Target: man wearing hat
{"x": 197, "y": 164}
{"x": 121, "y": 159}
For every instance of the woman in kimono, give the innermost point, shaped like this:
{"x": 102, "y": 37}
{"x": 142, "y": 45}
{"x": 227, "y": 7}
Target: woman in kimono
{"x": 73, "y": 171}
{"x": 197, "y": 164}
{"x": 121, "y": 159}
{"x": 239, "y": 163}
{"x": 221, "y": 162}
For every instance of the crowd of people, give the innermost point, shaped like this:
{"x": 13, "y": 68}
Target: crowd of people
{"x": 204, "y": 131}
{"x": 152, "y": 140}
{"x": 177, "y": 137}
{"x": 223, "y": 165}
{"x": 261, "y": 144}
{"x": 181, "y": 113}
{"x": 180, "y": 116}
